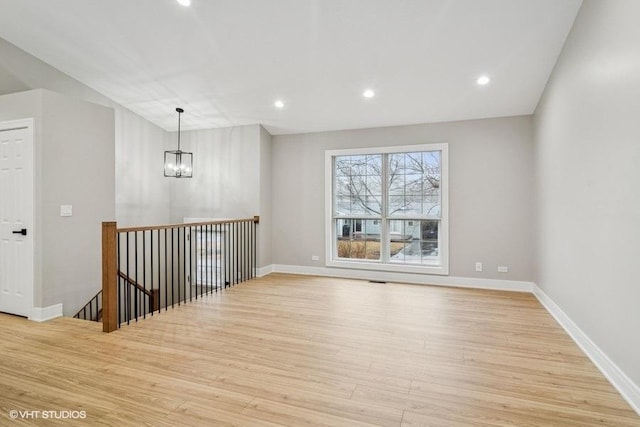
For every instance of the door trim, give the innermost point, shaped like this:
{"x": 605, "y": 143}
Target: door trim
{"x": 29, "y": 125}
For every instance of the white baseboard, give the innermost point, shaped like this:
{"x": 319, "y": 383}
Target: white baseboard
{"x": 42, "y": 314}
{"x": 421, "y": 279}
{"x": 263, "y": 271}
{"x": 625, "y": 386}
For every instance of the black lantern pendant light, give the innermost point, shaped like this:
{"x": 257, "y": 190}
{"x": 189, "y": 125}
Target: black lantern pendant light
{"x": 178, "y": 163}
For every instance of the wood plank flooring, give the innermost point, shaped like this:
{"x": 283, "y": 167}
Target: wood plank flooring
{"x": 307, "y": 351}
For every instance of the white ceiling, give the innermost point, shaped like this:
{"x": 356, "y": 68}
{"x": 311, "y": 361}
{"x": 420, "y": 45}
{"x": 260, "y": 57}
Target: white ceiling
{"x": 226, "y": 61}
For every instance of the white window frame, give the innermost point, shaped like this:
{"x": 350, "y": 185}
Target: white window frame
{"x": 380, "y": 265}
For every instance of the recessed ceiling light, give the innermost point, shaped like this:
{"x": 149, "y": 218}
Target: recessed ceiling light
{"x": 368, "y": 93}
{"x": 278, "y": 104}
{"x": 483, "y": 80}
{"x": 184, "y": 2}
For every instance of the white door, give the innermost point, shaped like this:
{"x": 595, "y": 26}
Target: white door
{"x": 16, "y": 217}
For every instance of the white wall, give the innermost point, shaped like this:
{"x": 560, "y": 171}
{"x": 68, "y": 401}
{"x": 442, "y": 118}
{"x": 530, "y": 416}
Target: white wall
{"x": 587, "y": 148}
{"x": 266, "y": 192}
{"x": 142, "y": 193}
{"x": 231, "y": 178}
{"x": 490, "y": 175}
{"x": 77, "y": 157}
{"x": 226, "y": 174}
{"x": 75, "y": 160}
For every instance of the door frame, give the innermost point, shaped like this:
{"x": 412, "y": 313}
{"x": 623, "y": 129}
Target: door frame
{"x": 29, "y": 124}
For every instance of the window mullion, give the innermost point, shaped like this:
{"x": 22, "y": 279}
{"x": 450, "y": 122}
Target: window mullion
{"x": 384, "y": 226}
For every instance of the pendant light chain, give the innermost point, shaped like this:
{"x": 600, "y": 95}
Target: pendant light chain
{"x": 180, "y": 111}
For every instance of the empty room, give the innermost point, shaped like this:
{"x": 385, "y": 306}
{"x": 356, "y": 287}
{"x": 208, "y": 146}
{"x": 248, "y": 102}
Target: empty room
{"x": 319, "y": 213}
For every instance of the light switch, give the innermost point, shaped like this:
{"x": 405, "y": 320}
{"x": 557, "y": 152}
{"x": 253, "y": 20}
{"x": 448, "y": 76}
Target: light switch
{"x": 66, "y": 210}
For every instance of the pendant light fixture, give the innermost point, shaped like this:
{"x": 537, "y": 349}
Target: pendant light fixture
{"x": 178, "y": 163}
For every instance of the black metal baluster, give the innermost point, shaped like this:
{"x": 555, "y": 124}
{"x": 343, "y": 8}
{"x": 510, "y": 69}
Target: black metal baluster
{"x": 205, "y": 276}
{"x": 179, "y": 278}
{"x": 247, "y": 243}
{"x": 178, "y": 275}
{"x": 240, "y": 252}
{"x": 226, "y": 255}
{"x": 240, "y": 249}
{"x": 255, "y": 255}
{"x": 187, "y": 261}
{"x": 192, "y": 262}
{"x": 215, "y": 256}
{"x": 151, "y": 270}
{"x": 250, "y": 240}
{"x": 172, "y": 266}
{"x": 159, "y": 273}
{"x": 137, "y": 291}
{"x": 166, "y": 276}
{"x": 229, "y": 280}
{"x": 145, "y": 297}
{"x": 245, "y": 257}
{"x": 200, "y": 248}
{"x": 128, "y": 311}
{"x": 236, "y": 257}
{"x": 210, "y": 258}
{"x": 232, "y": 251}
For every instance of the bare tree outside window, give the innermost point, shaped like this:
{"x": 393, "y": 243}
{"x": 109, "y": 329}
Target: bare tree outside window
{"x": 413, "y": 183}
{"x": 393, "y": 187}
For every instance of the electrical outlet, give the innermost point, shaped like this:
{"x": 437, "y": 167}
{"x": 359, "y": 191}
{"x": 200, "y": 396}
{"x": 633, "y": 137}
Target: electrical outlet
{"x": 315, "y": 258}
{"x": 478, "y": 266}
{"x": 66, "y": 210}
{"x": 503, "y": 269}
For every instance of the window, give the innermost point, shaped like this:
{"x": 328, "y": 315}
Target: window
{"x": 387, "y": 208}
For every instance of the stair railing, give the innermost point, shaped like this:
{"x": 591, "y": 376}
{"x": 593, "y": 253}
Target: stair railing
{"x": 148, "y": 269}
{"x": 92, "y": 310}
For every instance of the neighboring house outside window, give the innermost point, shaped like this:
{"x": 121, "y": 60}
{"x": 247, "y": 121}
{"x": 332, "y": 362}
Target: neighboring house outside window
{"x": 387, "y": 208}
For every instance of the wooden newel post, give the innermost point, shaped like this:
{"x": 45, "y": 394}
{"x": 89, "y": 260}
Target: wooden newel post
{"x": 109, "y": 277}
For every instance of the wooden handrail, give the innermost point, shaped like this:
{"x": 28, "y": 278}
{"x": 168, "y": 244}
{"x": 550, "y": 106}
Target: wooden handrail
{"x": 153, "y": 294}
{"x": 255, "y": 219}
{"x": 135, "y": 284}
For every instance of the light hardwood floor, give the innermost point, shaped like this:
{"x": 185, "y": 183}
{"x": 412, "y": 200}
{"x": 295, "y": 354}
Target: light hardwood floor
{"x": 303, "y": 351}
